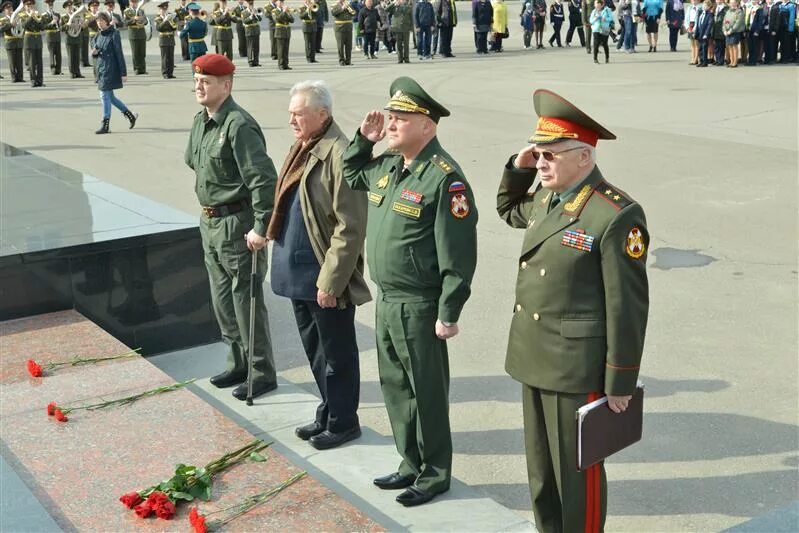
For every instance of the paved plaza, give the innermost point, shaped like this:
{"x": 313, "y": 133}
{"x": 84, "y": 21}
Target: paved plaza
{"x": 711, "y": 155}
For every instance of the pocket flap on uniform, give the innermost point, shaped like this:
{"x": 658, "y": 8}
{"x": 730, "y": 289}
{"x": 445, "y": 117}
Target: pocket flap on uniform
{"x": 578, "y": 327}
{"x": 304, "y": 257}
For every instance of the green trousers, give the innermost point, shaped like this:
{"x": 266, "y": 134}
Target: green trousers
{"x": 138, "y": 52}
{"x": 282, "y": 44}
{"x": 229, "y": 263}
{"x": 343, "y": 34}
{"x": 225, "y": 48}
{"x": 310, "y": 44}
{"x": 403, "y": 46}
{"x": 414, "y": 377}
{"x": 564, "y": 499}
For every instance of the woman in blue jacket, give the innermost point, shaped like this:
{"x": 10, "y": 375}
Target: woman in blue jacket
{"x": 652, "y": 10}
{"x": 111, "y": 70}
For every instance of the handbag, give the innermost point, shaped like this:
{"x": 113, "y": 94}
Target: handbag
{"x": 506, "y": 34}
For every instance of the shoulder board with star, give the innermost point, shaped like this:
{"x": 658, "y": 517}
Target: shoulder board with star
{"x": 614, "y": 196}
{"x": 443, "y": 164}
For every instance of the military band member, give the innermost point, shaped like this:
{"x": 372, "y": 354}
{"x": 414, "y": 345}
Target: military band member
{"x": 72, "y": 43}
{"x": 283, "y": 19}
{"x": 270, "y": 6}
{"x": 89, "y": 31}
{"x": 166, "y": 27}
{"x": 13, "y": 44}
{"x": 182, "y": 13}
{"x": 342, "y": 17}
{"x": 421, "y": 243}
{"x": 582, "y": 300}
{"x": 401, "y": 26}
{"x": 32, "y": 41}
{"x": 212, "y": 27}
{"x": 52, "y": 32}
{"x": 195, "y": 31}
{"x": 135, "y": 19}
{"x": 116, "y": 18}
{"x": 224, "y": 31}
{"x": 307, "y": 15}
{"x": 241, "y": 35}
{"x": 252, "y": 33}
{"x": 322, "y": 16}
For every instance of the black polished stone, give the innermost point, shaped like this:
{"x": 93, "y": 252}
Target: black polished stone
{"x": 133, "y": 266}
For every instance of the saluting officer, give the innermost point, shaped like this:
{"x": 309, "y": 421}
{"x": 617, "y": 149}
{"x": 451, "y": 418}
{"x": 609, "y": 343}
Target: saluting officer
{"x": 224, "y": 32}
{"x": 13, "y": 44}
{"x": 53, "y": 33}
{"x": 422, "y": 251}
{"x": 195, "y": 31}
{"x": 342, "y": 18}
{"x": 236, "y": 189}
{"x": 252, "y": 34}
{"x": 283, "y": 19}
{"x": 166, "y": 27}
{"x": 182, "y": 13}
{"x": 32, "y": 41}
{"x": 582, "y": 299}
{"x": 137, "y": 36}
{"x": 308, "y": 17}
{"x": 72, "y": 43}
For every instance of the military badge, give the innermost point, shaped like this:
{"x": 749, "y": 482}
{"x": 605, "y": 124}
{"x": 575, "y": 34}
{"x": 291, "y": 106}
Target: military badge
{"x": 456, "y": 186}
{"x": 221, "y": 138}
{"x": 459, "y": 205}
{"x": 635, "y": 247}
{"x": 375, "y": 199}
{"x": 410, "y": 211}
{"x": 382, "y": 183}
{"x": 577, "y": 239}
{"x": 411, "y": 196}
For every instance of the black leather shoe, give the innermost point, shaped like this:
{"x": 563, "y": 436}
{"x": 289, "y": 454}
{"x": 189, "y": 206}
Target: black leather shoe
{"x": 309, "y": 430}
{"x": 327, "y": 439}
{"x": 413, "y": 496}
{"x": 258, "y": 388}
{"x": 228, "y": 378}
{"x": 394, "y": 481}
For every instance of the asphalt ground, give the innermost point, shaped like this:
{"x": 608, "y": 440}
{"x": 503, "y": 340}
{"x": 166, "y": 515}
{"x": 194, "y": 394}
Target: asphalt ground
{"x": 711, "y": 154}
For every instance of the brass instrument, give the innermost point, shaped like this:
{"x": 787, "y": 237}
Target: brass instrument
{"x": 314, "y": 7}
{"x": 17, "y": 23}
{"x": 349, "y": 8}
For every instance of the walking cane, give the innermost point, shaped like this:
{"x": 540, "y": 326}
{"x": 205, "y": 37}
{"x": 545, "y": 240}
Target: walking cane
{"x": 253, "y": 292}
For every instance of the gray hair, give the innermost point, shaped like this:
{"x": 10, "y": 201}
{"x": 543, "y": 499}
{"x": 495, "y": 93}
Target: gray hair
{"x": 317, "y": 94}
{"x": 573, "y": 143}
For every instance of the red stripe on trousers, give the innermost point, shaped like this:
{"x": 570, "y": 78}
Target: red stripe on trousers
{"x": 592, "y": 488}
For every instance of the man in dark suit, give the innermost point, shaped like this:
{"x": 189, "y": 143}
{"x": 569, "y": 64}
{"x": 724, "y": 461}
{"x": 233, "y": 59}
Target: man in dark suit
{"x": 704, "y": 31}
{"x": 318, "y": 228}
{"x": 447, "y": 17}
{"x": 582, "y": 300}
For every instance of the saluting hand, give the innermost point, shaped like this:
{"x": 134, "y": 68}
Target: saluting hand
{"x": 618, "y": 404}
{"x": 525, "y": 159}
{"x": 372, "y": 126}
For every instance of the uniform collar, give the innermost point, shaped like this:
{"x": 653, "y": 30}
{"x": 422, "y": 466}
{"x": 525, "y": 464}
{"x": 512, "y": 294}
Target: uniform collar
{"x": 221, "y": 113}
{"x": 421, "y": 160}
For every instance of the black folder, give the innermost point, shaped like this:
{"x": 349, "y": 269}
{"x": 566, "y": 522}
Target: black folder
{"x": 601, "y": 432}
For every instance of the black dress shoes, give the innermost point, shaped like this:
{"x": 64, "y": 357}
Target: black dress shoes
{"x": 258, "y": 388}
{"x": 309, "y": 430}
{"x": 327, "y": 439}
{"x": 394, "y": 481}
{"x": 228, "y": 378}
{"x": 413, "y": 496}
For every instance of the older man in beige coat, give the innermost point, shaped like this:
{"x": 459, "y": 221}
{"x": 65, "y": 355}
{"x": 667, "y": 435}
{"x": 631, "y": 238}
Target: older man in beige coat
{"x": 318, "y": 228}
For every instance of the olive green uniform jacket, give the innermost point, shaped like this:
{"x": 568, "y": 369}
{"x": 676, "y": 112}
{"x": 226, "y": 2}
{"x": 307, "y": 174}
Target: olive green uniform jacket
{"x": 582, "y": 297}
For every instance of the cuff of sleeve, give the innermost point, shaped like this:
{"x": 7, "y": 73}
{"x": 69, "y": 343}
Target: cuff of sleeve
{"x": 259, "y": 227}
{"x": 448, "y": 314}
{"x": 361, "y": 141}
{"x": 620, "y": 381}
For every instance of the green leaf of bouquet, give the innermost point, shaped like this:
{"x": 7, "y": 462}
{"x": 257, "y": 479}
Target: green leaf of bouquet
{"x": 182, "y": 496}
{"x": 257, "y": 457}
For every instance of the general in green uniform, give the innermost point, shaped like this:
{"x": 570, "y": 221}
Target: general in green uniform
{"x": 235, "y": 186}
{"x": 283, "y": 19}
{"x": 166, "y": 27}
{"x": 342, "y": 18}
{"x": 582, "y": 300}
{"x": 137, "y": 36}
{"x": 72, "y": 42}
{"x": 13, "y": 43}
{"x": 422, "y": 252}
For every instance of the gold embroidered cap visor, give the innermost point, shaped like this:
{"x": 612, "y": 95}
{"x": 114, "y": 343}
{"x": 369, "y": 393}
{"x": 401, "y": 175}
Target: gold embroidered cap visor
{"x": 407, "y": 96}
{"x": 560, "y": 120}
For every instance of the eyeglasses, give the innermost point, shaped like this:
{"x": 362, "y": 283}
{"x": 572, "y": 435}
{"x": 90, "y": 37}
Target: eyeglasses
{"x": 551, "y": 156}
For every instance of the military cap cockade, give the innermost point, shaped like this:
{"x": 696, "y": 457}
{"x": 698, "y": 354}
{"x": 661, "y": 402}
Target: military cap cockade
{"x": 560, "y": 120}
{"x": 213, "y": 65}
{"x": 407, "y": 96}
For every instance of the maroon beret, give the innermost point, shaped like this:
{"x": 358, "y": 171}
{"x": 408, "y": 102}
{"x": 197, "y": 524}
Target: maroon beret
{"x": 213, "y": 65}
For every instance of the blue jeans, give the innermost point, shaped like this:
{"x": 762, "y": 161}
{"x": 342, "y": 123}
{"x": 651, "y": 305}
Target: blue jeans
{"x": 424, "y": 42}
{"x": 108, "y": 98}
{"x": 630, "y": 30}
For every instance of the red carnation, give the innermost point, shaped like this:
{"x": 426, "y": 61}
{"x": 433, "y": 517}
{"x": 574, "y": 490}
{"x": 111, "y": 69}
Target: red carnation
{"x": 165, "y": 510}
{"x": 193, "y": 515}
{"x": 51, "y": 407}
{"x": 199, "y": 525}
{"x": 143, "y": 510}
{"x": 34, "y": 369}
{"x": 61, "y": 417}
{"x": 131, "y": 499}
{"x": 156, "y": 498}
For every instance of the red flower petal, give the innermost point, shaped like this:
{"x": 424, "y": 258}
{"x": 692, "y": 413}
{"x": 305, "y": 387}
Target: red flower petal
{"x": 61, "y": 417}
{"x": 131, "y": 499}
{"x": 51, "y": 407}
{"x": 156, "y": 498}
{"x": 34, "y": 369}
{"x": 143, "y": 510}
{"x": 193, "y": 515}
{"x": 199, "y": 525}
{"x": 165, "y": 510}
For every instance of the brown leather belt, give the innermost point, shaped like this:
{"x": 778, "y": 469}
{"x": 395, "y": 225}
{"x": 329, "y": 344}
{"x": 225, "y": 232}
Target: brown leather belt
{"x": 217, "y": 211}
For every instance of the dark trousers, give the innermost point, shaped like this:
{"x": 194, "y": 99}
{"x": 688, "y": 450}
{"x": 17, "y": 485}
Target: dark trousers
{"x": 328, "y": 337}
{"x": 601, "y": 40}
{"x": 167, "y": 60}
{"x": 225, "y": 48}
{"x": 369, "y": 41}
{"x": 138, "y": 49}
{"x": 272, "y": 43}
{"x": 403, "y": 46}
{"x": 425, "y": 36}
{"x": 769, "y": 48}
{"x": 310, "y": 45}
{"x": 527, "y": 37}
{"x": 556, "y": 33}
{"x": 674, "y": 34}
{"x": 754, "y": 48}
{"x": 445, "y": 40}
{"x": 588, "y": 35}
{"x": 719, "y": 48}
{"x": 482, "y": 42}
{"x": 84, "y": 49}
{"x": 35, "y": 67}
{"x": 703, "y": 51}
{"x": 580, "y": 33}
{"x": 242, "y": 41}
{"x": 15, "y": 63}
{"x": 319, "y": 32}
{"x": 282, "y": 45}
{"x": 496, "y": 46}
{"x": 343, "y": 33}
{"x": 55, "y": 57}
{"x": 787, "y": 44}
{"x": 184, "y": 47}
{"x": 73, "y": 56}
{"x": 253, "y": 50}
